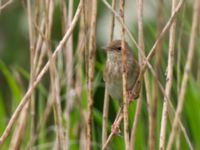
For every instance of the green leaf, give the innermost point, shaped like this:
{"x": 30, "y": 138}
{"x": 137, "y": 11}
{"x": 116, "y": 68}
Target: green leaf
{"x": 13, "y": 85}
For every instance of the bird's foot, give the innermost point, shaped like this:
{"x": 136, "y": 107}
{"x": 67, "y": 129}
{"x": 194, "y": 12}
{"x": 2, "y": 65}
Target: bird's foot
{"x": 132, "y": 95}
{"x": 115, "y": 128}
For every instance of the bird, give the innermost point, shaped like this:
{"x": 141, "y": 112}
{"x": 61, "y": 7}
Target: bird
{"x": 113, "y": 70}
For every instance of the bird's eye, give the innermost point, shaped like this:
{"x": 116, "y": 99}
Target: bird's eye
{"x": 119, "y": 48}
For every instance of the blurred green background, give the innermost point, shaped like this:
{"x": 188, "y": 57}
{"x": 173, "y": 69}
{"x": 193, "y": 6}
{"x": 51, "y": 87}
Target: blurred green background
{"x": 15, "y": 68}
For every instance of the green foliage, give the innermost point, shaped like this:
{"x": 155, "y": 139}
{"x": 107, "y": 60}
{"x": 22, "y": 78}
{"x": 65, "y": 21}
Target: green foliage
{"x": 13, "y": 86}
{"x": 15, "y": 52}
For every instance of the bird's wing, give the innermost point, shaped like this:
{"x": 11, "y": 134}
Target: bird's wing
{"x": 133, "y": 71}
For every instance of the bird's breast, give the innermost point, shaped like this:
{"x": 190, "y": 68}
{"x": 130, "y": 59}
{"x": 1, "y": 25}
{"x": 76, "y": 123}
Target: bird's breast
{"x": 114, "y": 69}
{"x": 114, "y": 79}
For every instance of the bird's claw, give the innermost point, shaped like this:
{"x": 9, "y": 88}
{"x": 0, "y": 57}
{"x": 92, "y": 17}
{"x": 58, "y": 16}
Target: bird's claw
{"x": 115, "y": 128}
{"x": 132, "y": 95}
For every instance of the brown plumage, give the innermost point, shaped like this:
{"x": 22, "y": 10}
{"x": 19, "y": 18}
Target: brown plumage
{"x": 113, "y": 69}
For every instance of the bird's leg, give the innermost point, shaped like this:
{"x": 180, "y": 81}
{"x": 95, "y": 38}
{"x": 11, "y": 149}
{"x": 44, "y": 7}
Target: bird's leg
{"x": 115, "y": 125}
{"x": 133, "y": 94}
{"x": 130, "y": 95}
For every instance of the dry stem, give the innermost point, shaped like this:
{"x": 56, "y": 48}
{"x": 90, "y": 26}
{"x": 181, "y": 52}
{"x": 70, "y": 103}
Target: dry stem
{"x": 105, "y": 116}
{"x": 5, "y": 5}
{"x": 118, "y": 121}
{"x": 169, "y": 80}
{"x": 112, "y": 25}
{"x": 196, "y": 11}
{"x": 91, "y": 63}
{"x": 141, "y": 45}
{"x": 155, "y": 93}
{"x": 106, "y": 96}
{"x": 124, "y": 78}
{"x": 82, "y": 38}
{"x": 25, "y": 99}
{"x": 69, "y": 69}
{"x": 55, "y": 91}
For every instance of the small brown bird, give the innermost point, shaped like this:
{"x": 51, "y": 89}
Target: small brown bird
{"x": 113, "y": 70}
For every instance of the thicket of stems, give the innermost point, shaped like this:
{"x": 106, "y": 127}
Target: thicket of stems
{"x": 75, "y": 61}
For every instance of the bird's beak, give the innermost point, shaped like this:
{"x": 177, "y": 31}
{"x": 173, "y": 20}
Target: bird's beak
{"x": 106, "y": 48}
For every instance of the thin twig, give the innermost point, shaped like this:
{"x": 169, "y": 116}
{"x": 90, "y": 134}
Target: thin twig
{"x": 191, "y": 48}
{"x": 105, "y": 116}
{"x": 32, "y": 65}
{"x": 5, "y": 5}
{"x": 19, "y": 131}
{"x": 63, "y": 8}
{"x": 178, "y": 139}
{"x": 106, "y": 96}
{"x": 82, "y": 38}
{"x": 141, "y": 45}
{"x": 179, "y": 48}
{"x": 25, "y": 99}
{"x": 124, "y": 78}
{"x": 69, "y": 70}
{"x": 91, "y": 63}
{"x": 112, "y": 25}
{"x": 118, "y": 121}
{"x": 156, "y": 92}
{"x": 40, "y": 50}
{"x": 169, "y": 80}
{"x": 178, "y": 74}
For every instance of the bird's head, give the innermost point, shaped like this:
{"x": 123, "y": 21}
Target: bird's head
{"x": 114, "y": 49}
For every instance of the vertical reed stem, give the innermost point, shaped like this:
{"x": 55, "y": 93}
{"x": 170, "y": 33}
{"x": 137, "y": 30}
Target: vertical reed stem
{"x": 91, "y": 63}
